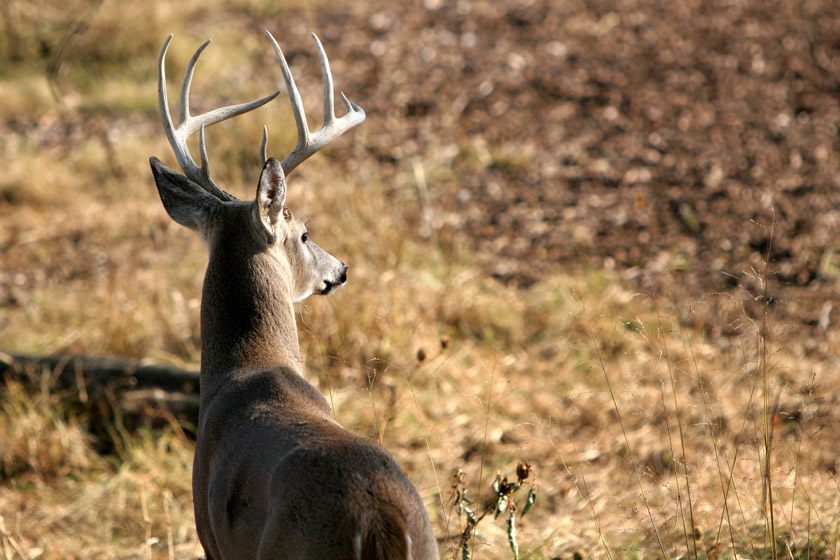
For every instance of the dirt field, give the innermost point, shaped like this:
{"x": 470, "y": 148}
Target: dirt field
{"x": 646, "y": 137}
{"x": 621, "y": 216}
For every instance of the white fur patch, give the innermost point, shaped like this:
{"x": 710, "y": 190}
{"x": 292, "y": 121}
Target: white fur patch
{"x": 357, "y": 545}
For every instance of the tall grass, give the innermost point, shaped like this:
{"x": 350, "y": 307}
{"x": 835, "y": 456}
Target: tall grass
{"x": 567, "y": 375}
{"x": 778, "y": 465}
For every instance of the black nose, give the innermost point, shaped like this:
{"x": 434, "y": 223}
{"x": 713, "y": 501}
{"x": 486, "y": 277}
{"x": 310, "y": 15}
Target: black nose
{"x": 344, "y": 273}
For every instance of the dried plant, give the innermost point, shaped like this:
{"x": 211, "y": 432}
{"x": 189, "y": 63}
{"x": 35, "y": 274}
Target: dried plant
{"x": 503, "y": 500}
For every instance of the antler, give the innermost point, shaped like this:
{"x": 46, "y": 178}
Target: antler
{"x": 309, "y": 143}
{"x": 188, "y": 123}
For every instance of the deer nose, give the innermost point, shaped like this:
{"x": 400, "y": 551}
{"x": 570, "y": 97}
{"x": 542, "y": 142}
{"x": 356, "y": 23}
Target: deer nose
{"x": 344, "y": 273}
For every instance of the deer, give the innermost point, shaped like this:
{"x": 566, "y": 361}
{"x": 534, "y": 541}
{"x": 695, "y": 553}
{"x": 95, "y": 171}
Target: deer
{"x": 275, "y": 476}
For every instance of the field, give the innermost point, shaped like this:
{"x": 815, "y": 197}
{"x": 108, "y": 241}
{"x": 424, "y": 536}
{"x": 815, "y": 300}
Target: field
{"x": 601, "y": 238}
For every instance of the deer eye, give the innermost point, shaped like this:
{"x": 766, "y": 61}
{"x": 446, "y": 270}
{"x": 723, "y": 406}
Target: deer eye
{"x": 304, "y": 237}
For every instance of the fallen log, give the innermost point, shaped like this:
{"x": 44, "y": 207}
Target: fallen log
{"x": 115, "y": 393}
{"x": 68, "y": 371}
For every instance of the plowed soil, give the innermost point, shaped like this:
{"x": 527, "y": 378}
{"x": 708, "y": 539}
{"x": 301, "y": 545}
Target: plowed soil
{"x": 677, "y": 142}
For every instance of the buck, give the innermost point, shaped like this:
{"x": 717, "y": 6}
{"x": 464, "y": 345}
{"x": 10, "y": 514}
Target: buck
{"x": 275, "y": 476}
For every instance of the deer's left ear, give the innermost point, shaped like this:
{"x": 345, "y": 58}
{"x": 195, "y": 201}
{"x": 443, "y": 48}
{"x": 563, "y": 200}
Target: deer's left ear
{"x": 271, "y": 198}
{"x": 185, "y": 202}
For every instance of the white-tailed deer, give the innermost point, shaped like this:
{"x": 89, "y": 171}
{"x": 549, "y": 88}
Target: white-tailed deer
{"x": 275, "y": 476}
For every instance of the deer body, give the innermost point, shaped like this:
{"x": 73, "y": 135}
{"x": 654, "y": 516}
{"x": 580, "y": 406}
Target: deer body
{"x": 275, "y": 476}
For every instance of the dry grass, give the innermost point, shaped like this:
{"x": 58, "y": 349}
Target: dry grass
{"x": 616, "y": 398}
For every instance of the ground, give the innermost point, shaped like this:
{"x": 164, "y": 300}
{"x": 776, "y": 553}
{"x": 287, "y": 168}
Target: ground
{"x": 599, "y": 237}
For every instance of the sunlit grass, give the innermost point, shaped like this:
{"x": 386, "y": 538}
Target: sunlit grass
{"x": 90, "y": 263}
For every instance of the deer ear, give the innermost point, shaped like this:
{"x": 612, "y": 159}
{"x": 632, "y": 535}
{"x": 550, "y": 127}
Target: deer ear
{"x": 271, "y": 198}
{"x": 185, "y": 202}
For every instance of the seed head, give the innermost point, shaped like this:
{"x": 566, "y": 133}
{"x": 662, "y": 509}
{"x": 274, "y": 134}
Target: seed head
{"x": 523, "y": 471}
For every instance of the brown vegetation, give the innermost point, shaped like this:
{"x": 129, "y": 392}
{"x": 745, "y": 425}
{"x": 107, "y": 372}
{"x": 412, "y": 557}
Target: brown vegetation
{"x": 557, "y": 219}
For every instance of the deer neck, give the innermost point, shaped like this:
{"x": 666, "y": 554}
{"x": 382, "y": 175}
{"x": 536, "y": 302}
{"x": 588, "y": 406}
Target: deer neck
{"x": 247, "y": 316}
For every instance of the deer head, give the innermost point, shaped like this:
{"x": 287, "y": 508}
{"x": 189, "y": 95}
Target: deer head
{"x": 265, "y": 225}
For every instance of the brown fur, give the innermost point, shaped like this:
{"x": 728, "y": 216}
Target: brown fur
{"x": 385, "y": 535}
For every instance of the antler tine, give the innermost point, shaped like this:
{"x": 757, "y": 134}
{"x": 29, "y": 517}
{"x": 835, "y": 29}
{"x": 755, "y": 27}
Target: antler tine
{"x": 188, "y": 124}
{"x": 263, "y": 157}
{"x": 329, "y": 96}
{"x": 185, "y": 85}
{"x": 309, "y": 143}
{"x": 294, "y": 96}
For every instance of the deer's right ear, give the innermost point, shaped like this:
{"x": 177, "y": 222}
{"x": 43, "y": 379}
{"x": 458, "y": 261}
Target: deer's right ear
{"x": 271, "y": 198}
{"x": 185, "y": 202}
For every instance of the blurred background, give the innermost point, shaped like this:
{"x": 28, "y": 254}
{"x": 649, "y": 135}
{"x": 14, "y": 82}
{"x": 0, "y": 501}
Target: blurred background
{"x": 597, "y": 237}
